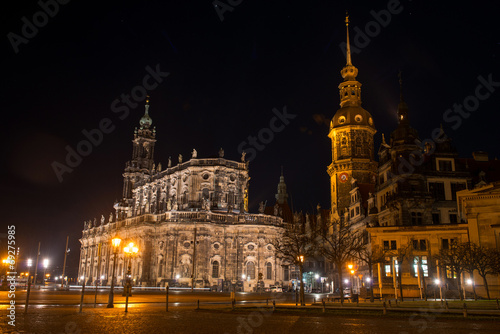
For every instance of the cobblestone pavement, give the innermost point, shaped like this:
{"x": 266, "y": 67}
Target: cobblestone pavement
{"x": 147, "y": 318}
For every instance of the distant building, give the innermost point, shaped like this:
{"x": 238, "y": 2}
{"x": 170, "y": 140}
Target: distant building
{"x": 189, "y": 221}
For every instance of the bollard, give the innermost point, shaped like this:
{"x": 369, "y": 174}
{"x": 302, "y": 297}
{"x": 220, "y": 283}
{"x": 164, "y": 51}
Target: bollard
{"x": 274, "y": 305}
{"x": 167, "y": 298}
{"x": 267, "y": 302}
{"x": 498, "y": 305}
{"x": 314, "y": 300}
{"x": 232, "y": 304}
{"x": 465, "y": 311}
{"x": 446, "y": 305}
{"x": 198, "y": 305}
{"x": 385, "y": 309}
{"x": 324, "y": 308}
{"x": 390, "y": 303}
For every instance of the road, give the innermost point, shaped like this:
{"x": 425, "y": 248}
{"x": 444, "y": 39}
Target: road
{"x": 57, "y": 312}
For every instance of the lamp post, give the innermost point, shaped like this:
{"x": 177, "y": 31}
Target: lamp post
{"x": 115, "y": 243}
{"x": 300, "y": 260}
{"x": 130, "y": 250}
{"x": 45, "y": 265}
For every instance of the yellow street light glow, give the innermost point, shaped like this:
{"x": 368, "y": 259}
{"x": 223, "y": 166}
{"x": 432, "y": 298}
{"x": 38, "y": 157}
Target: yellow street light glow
{"x": 131, "y": 248}
{"x": 352, "y": 272}
{"x": 350, "y": 266}
{"x": 116, "y": 242}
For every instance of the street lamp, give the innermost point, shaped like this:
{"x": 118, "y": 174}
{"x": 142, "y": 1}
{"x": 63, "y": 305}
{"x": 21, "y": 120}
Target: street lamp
{"x": 115, "y": 243}
{"x": 350, "y": 266}
{"x": 130, "y": 250}
{"x": 45, "y": 265}
{"x": 438, "y": 282}
{"x": 30, "y": 263}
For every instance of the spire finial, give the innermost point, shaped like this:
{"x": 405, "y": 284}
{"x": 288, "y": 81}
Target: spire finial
{"x": 348, "y": 50}
{"x": 281, "y": 170}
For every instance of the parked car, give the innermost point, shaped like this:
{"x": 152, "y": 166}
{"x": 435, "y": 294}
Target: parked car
{"x": 276, "y": 288}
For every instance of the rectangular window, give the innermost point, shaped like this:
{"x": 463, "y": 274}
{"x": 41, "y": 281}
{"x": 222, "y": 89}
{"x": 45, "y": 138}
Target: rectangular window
{"x": 453, "y": 218}
{"x": 386, "y": 244}
{"x": 445, "y": 166}
{"x": 416, "y": 218}
{"x": 437, "y": 190}
{"x": 393, "y": 245}
{"x": 445, "y": 244}
{"x": 425, "y": 267}
{"x": 419, "y": 244}
{"x": 357, "y": 210}
{"x": 388, "y": 271}
{"x": 435, "y": 218}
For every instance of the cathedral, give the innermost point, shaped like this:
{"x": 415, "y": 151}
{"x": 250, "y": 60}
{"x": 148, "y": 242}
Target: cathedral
{"x": 190, "y": 222}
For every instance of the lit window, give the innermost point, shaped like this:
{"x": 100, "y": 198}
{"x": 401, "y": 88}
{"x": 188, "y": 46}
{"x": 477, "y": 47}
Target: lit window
{"x": 425, "y": 267}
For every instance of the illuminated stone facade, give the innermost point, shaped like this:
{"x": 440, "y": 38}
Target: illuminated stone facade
{"x": 188, "y": 220}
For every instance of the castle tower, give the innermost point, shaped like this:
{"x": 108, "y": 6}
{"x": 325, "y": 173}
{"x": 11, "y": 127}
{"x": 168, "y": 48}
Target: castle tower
{"x": 351, "y": 131}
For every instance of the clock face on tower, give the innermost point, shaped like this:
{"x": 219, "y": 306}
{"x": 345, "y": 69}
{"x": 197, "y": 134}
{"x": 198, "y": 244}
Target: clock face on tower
{"x": 343, "y": 177}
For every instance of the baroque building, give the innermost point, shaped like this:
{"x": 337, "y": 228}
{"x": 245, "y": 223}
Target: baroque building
{"x": 190, "y": 222}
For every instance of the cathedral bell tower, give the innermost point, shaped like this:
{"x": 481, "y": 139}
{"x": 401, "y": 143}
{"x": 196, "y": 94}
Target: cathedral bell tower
{"x": 351, "y": 131}
{"x": 142, "y": 161}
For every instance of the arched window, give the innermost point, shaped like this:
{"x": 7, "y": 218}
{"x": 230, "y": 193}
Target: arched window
{"x": 215, "y": 269}
{"x": 251, "y": 270}
{"x": 269, "y": 271}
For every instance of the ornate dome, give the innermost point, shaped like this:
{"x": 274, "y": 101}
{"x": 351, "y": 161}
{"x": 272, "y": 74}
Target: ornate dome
{"x": 352, "y": 115}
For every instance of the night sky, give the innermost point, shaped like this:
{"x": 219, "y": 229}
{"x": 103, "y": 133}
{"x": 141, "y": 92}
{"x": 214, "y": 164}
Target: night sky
{"x": 225, "y": 78}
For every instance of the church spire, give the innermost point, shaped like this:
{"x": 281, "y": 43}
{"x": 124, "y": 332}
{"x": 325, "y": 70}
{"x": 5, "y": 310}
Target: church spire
{"x": 350, "y": 88}
{"x": 348, "y": 48}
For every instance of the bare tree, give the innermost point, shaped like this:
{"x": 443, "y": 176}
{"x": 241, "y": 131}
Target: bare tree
{"x": 370, "y": 258}
{"x": 401, "y": 254}
{"x": 483, "y": 260}
{"x": 470, "y": 254}
{"x": 294, "y": 245}
{"x": 341, "y": 245}
{"x": 451, "y": 259}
